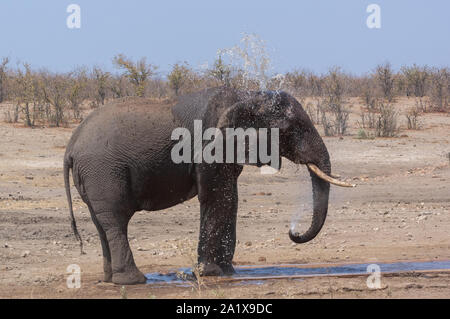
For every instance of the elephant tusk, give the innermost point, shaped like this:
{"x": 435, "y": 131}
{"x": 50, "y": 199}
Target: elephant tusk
{"x": 327, "y": 178}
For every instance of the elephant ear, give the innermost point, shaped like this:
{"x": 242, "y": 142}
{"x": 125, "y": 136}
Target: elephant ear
{"x": 260, "y": 111}
{"x": 241, "y": 114}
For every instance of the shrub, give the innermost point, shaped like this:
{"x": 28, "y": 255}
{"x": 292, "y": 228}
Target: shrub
{"x": 412, "y": 118}
{"x": 334, "y": 103}
{"x": 440, "y": 89}
{"x": 386, "y": 124}
{"x": 385, "y": 79}
{"x": 220, "y": 71}
{"x": 179, "y": 77}
{"x": 3, "y": 79}
{"x": 137, "y": 72}
{"x": 416, "y": 80}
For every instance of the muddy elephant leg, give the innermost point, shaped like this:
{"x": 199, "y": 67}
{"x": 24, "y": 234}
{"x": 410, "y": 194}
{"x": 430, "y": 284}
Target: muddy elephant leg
{"x": 107, "y": 268}
{"x": 123, "y": 267}
{"x": 218, "y": 197}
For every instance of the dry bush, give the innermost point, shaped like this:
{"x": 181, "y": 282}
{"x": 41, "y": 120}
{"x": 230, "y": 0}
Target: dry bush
{"x": 3, "y": 79}
{"x": 370, "y": 100}
{"x": 220, "y": 71}
{"x": 55, "y": 90}
{"x": 413, "y": 118}
{"x": 99, "y": 88}
{"x": 178, "y": 77}
{"x": 119, "y": 86}
{"x": 440, "y": 89}
{"x": 314, "y": 111}
{"x": 158, "y": 88}
{"x": 385, "y": 79}
{"x": 416, "y": 79}
{"x": 315, "y": 84}
{"x": 297, "y": 82}
{"x": 367, "y": 93}
{"x": 368, "y": 118}
{"x": 183, "y": 79}
{"x": 12, "y": 114}
{"x": 77, "y": 91}
{"x": 27, "y": 97}
{"x": 386, "y": 124}
{"x": 137, "y": 72}
{"x": 334, "y": 103}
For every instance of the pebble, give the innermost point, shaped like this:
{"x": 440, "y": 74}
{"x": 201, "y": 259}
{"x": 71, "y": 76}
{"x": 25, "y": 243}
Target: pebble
{"x": 262, "y": 258}
{"x": 420, "y": 218}
{"x": 424, "y": 214}
{"x": 26, "y": 253}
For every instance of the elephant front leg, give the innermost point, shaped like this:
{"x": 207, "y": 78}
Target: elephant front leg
{"x": 217, "y": 241}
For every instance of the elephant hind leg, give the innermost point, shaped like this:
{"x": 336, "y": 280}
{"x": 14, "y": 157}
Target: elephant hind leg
{"x": 123, "y": 268}
{"x": 107, "y": 268}
{"x": 111, "y": 221}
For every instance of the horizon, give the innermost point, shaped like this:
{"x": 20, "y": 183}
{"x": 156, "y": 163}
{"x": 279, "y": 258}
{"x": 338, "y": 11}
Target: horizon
{"x": 412, "y": 32}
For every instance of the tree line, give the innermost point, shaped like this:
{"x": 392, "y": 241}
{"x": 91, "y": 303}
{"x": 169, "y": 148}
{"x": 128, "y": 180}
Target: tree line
{"x": 41, "y": 97}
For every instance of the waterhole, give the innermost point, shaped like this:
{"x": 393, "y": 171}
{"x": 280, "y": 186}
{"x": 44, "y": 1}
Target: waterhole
{"x": 256, "y": 273}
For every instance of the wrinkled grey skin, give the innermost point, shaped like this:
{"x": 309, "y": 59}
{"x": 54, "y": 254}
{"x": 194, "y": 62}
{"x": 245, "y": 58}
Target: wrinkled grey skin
{"x": 120, "y": 157}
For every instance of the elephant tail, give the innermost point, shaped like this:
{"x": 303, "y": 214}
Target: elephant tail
{"x": 68, "y": 164}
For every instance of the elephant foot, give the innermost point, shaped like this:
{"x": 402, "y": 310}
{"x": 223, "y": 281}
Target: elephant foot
{"x": 228, "y": 269}
{"x": 107, "y": 277}
{"x": 129, "y": 278}
{"x": 211, "y": 269}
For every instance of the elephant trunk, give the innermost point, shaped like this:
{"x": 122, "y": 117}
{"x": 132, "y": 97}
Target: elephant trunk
{"x": 321, "y": 191}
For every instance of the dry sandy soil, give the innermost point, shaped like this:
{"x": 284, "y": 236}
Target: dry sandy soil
{"x": 398, "y": 212}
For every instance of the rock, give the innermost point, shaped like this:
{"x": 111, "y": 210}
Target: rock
{"x": 249, "y": 243}
{"x": 6, "y": 245}
{"x": 26, "y": 253}
{"x": 425, "y": 214}
{"x": 262, "y": 258}
{"x": 420, "y": 218}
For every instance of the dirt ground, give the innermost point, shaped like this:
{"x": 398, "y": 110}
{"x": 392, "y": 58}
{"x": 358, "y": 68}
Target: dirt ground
{"x": 398, "y": 212}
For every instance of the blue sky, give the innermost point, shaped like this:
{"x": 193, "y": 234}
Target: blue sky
{"x": 300, "y": 34}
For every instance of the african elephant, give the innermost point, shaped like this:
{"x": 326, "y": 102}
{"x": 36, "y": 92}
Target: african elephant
{"x": 120, "y": 157}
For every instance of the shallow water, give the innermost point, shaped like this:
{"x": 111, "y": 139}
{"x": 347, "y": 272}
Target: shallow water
{"x": 261, "y": 272}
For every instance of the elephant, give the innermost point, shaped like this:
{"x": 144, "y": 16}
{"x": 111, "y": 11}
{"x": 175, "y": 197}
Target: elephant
{"x": 120, "y": 157}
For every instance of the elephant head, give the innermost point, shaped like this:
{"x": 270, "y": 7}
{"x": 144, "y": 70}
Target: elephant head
{"x": 299, "y": 142}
